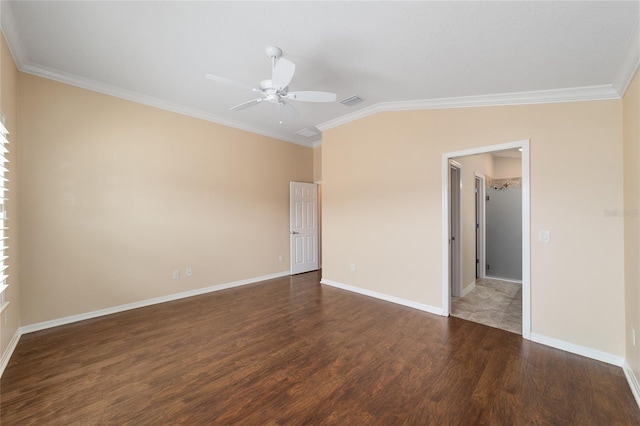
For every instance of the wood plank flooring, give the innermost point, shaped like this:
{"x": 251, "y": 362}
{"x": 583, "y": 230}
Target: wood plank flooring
{"x": 290, "y": 351}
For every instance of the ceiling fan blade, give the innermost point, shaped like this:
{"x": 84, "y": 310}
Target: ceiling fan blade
{"x": 282, "y": 73}
{"x": 229, "y": 82}
{"x": 312, "y": 96}
{"x": 246, "y": 105}
{"x": 288, "y": 110}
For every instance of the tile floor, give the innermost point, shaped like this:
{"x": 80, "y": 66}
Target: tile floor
{"x": 492, "y": 302}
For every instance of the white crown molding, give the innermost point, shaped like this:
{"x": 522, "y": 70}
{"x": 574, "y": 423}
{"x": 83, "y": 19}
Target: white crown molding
{"x": 588, "y": 93}
{"x": 630, "y": 64}
{"x": 574, "y": 94}
{"x": 129, "y": 95}
{"x": 148, "y": 302}
{"x": 382, "y": 296}
{"x": 14, "y": 41}
{"x": 348, "y": 118}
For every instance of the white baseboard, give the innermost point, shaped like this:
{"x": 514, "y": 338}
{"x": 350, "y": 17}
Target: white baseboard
{"x": 509, "y": 280}
{"x": 108, "y": 311}
{"x": 578, "y": 350}
{"x": 468, "y": 288}
{"x": 548, "y": 341}
{"x": 633, "y": 381}
{"x": 385, "y": 297}
{"x": 6, "y": 356}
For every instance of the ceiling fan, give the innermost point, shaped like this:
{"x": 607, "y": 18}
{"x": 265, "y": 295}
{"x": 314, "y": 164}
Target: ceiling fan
{"x": 276, "y": 90}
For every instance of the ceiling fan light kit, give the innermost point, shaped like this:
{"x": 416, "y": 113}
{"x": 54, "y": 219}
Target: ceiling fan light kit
{"x": 276, "y": 89}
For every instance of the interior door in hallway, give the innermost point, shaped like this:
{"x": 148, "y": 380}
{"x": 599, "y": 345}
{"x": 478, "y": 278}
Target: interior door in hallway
{"x": 504, "y": 233}
{"x": 303, "y": 227}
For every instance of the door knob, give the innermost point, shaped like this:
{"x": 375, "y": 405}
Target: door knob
{"x": 294, "y": 232}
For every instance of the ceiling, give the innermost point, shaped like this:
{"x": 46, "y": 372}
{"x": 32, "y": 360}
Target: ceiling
{"x": 395, "y": 55}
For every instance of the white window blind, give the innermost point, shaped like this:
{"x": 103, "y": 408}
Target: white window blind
{"x": 3, "y": 215}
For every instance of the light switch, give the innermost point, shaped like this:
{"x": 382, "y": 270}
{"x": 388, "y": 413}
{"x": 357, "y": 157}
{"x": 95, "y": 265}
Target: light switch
{"x": 545, "y": 236}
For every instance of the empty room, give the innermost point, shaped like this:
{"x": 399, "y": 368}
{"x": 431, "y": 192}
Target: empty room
{"x": 344, "y": 213}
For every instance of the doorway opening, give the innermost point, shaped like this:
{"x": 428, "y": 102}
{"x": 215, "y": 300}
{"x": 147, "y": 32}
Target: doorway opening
{"x": 479, "y": 191}
{"x": 455, "y": 265}
{"x": 472, "y": 251}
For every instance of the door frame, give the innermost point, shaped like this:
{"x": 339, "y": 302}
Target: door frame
{"x": 480, "y": 232}
{"x": 455, "y": 231}
{"x": 526, "y": 227}
{"x": 319, "y": 200}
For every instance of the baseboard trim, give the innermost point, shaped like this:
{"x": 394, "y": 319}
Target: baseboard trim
{"x": 468, "y": 289}
{"x": 382, "y": 296}
{"x": 509, "y": 280}
{"x": 578, "y": 350}
{"x": 633, "y": 381}
{"x": 148, "y": 302}
{"x": 6, "y": 356}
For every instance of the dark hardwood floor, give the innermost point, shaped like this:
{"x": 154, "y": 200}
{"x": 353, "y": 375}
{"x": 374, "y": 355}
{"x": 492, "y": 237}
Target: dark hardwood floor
{"x": 290, "y": 351}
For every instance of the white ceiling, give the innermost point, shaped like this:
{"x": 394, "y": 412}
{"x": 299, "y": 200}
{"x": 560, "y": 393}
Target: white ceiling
{"x": 395, "y": 55}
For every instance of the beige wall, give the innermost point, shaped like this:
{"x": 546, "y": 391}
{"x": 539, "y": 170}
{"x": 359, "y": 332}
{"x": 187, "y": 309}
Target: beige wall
{"x": 116, "y": 195}
{"x": 482, "y": 164}
{"x": 8, "y": 100}
{"x": 506, "y": 167}
{"x": 317, "y": 164}
{"x": 631, "y": 126}
{"x": 382, "y": 210}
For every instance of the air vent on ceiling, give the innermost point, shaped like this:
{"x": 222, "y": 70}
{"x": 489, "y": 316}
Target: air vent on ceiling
{"x": 353, "y": 100}
{"x": 306, "y": 133}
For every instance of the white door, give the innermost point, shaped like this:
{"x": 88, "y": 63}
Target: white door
{"x": 304, "y": 227}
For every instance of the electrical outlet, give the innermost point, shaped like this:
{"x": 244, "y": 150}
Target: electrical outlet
{"x": 176, "y": 274}
{"x": 353, "y": 267}
{"x": 188, "y": 271}
{"x": 281, "y": 258}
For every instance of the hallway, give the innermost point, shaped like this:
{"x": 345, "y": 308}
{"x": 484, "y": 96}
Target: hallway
{"x": 492, "y": 302}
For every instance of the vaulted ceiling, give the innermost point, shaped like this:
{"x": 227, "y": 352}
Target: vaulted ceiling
{"x": 394, "y": 55}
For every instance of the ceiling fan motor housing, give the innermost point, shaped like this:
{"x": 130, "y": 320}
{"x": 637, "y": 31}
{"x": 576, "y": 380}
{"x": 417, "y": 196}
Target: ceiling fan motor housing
{"x": 270, "y": 93}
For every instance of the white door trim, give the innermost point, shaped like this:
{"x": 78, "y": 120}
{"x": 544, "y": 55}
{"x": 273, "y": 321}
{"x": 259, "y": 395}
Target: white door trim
{"x": 456, "y": 232}
{"x": 526, "y": 227}
{"x": 482, "y": 265}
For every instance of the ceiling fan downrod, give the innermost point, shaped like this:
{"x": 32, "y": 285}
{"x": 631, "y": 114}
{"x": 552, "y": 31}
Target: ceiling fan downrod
{"x": 274, "y": 53}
